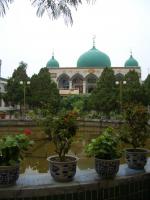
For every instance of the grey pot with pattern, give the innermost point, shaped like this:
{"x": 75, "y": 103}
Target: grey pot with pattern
{"x": 62, "y": 171}
{"x": 107, "y": 168}
{"x": 136, "y": 158}
{"x": 8, "y": 175}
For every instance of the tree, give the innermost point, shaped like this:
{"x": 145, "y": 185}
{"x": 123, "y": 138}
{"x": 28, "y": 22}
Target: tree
{"x": 133, "y": 90}
{"x": 3, "y": 5}
{"x": 54, "y": 8}
{"x": 103, "y": 97}
{"x": 75, "y": 102}
{"x": 14, "y": 91}
{"x": 43, "y": 92}
{"x": 146, "y": 86}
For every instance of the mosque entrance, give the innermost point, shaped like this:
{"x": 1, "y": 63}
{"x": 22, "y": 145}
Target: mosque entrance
{"x": 63, "y": 82}
{"x": 77, "y": 83}
{"x": 90, "y": 82}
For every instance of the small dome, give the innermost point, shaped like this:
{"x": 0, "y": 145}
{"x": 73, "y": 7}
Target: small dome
{"x": 93, "y": 58}
{"x": 52, "y": 63}
{"x": 131, "y": 62}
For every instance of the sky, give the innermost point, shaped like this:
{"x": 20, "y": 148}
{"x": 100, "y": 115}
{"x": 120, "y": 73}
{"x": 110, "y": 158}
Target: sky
{"x": 120, "y": 26}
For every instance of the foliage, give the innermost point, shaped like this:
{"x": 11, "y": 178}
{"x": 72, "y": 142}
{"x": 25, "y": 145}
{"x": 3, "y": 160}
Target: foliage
{"x": 62, "y": 129}
{"x": 135, "y": 131}
{"x": 3, "y": 6}
{"x": 133, "y": 90}
{"x": 54, "y": 8}
{"x": 75, "y": 102}
{"x": 103, "y": 97}
{"x": 44, "y": 92}
{"x": 13, "y": 147}
{"x": 105, "y": 146}
{"x": 14, "y": 91}
{"x": 94, "y": 115}
{"x": 146, "y": 86}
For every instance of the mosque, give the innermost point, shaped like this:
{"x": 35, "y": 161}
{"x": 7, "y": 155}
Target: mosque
{"x": 82, "y": 78}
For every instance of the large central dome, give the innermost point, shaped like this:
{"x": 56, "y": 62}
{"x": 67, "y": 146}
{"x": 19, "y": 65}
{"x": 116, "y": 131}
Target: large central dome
{"x": 93, "y": 58}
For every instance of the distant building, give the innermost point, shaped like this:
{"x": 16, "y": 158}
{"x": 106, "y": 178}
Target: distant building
{"x": 4, "y": 108}
{"x": 3, "y": 82}
{"x": 82, "y": 78}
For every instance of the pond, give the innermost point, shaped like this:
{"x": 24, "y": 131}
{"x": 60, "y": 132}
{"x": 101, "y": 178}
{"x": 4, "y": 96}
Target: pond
{"x": 36, "y": 159}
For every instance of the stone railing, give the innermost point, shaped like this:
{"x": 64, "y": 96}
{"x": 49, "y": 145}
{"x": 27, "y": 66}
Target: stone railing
{"x": 127, "y": 185}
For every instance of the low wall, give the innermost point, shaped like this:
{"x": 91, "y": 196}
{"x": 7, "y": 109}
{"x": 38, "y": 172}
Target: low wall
{"x": 96, "y": 125}
{"x": 127, "y": 185}
{"x": 16, "y": 123}
{"x": 85, "y": 126}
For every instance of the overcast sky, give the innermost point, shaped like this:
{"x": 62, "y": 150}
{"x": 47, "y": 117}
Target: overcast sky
{"x": 119, "y": 25}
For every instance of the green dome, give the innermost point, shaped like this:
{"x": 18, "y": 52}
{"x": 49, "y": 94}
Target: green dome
{"x": 131, "y": 62}
{"x": 52, "y": 63}
{"x": 93, "y": 58}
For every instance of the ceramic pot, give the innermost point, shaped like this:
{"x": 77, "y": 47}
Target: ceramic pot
{"x": 136, "y": 158}
{"x": 62, "y": 171}
{"x": 107, "y": 168}
{"x": 8, "y": 175}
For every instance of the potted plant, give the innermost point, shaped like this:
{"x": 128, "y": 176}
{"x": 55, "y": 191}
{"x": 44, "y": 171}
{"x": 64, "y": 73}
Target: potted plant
{"x": 105, "y": 149}
{"x": 63, "y": 129}
{"x": 135, "y": 133}
{"x": 12, "y": 148}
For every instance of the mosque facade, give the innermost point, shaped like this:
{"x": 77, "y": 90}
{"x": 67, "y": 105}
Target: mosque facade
{"x": 90, "y": 65}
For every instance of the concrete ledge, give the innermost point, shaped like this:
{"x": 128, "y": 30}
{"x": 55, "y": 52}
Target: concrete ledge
{"x": 128, "y": 184}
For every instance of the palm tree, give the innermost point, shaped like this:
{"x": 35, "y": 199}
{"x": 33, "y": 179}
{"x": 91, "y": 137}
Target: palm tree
{"x": 3, "y": 6}
{"x": 54, "y": 8}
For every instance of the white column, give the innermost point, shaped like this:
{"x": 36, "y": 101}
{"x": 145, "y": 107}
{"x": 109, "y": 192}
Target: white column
{"x": 2, "y": 104}
{"x": 70, "y": 84}
{"x": 84, "y": 87}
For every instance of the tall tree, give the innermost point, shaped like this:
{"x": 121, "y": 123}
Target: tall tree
{"x": 133, "y": 90}
{"x": 146, "y": 85}
{"x": 103, "y": 98}
{"x": 14, "y": 90}
{"x": 54, "y": 8}
{"x": 44, "y": 92}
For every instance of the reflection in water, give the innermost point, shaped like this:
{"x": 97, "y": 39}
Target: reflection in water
{"x": 36, "y": 159}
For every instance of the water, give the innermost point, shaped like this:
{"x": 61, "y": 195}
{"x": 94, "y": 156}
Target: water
{"x": 36, "y": 159}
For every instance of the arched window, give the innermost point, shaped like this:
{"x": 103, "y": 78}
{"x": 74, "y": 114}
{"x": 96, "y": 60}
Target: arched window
{"x": 77, "y": 82}
{"x": 91, "y": 80}
{"x": 63, "y": 81}
{"x": 119, "y": 77}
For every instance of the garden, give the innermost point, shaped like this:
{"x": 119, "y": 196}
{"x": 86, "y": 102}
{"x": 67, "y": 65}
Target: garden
{"x": 59, "y": 117}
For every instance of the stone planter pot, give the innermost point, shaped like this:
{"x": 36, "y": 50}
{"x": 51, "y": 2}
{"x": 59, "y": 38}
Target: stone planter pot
{"x": 8, "y": 175}
{"x": 136, "y": 158}
{"x": 107, "y": 168}
{"x": 62, "y": 171}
